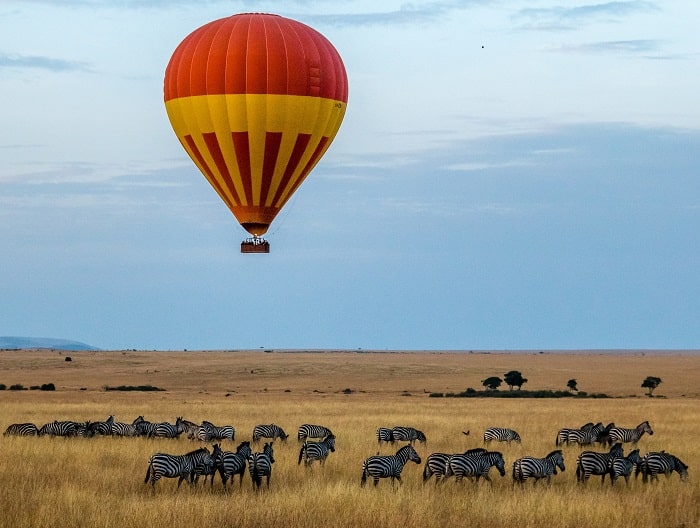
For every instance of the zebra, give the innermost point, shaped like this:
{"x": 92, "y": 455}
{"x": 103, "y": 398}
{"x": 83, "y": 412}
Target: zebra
{"x": 22, "y": 429}
{"x": 538, "y": 468}
{"x": 660, "y": 462}
{"x": 172, "y": 466}
{"x": 475, "y": 465}
{"x": 311, "y": 451}
{"x": 619, "y": 434}
{"x": 384, "y": 434}
{"x": 168, "y": 430}
{"x": 388, "y": 466}
{"x": 260, "y": 465}
{"x": 56, "y": 428}
{"x": 436, "y": 464}
{"x": 594, "y": 463}
{"x": 312, "y": 431}
{"x": 268, "y": 431}
{"x": 189, "y": 429}
{"x": 230, "y": 464}
{"x": 102, "y": 428}
{"x": 208, "y": 432}
{"x": 500, "y": 434}
{"x": 407, "y": 434}
{"x": 123, "y": 429}
{"x": 585, "y": 437}
{"x": 563, "y": 434}
{"x": 623, "y": 466}
{"x": 604, "y": 435}
{"x": 206, "y": 464}
{"x": 144, "y": 427}
{"x": 84, "y": 430}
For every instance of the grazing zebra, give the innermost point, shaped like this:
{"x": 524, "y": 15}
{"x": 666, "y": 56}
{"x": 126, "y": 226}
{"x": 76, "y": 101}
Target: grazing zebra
{"x": 144, "y": 427}
{"x": 619, "y": 434}
{"x": 623, "y": 466}
{"x": 384, "y": 434}
{"x": 21, "y": 429}
{"x": 189, "y": 429}
{"x": 171, "y": 466}
{"x": 123, "y": 429}
{"x": 408, "y": 434}
{"x": 604, "y": 435}
{"x": 230, "y": 464}
{"x": 206, "y": 464}
{"x": 260, "y": 465}
{"x": 500, "y": 434}
{"x": 56, "y": 428}
{"x": 388, "y": 466}
{"x": 660, "y": 462}
{"x": 168, "y": 430}
{"x": 538, "y": 468}
{"x": 102, "y": 428}
{"x": 436, "y": 464}
{"x": 475, "y": 465}
{"x": 268, "y": 431}
{"x": 208, "y": 432}
{"x": 595, "y": 463}
{"x": 311, "y": 451}
{"x": 312, "y": 431}
{"x": 585, "y": 437}
{"x": 563, "y": 434}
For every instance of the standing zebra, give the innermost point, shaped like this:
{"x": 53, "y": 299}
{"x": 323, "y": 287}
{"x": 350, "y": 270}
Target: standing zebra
{"x": 171, "y": 466}
{"x": 144, "y": 427}
{"x": 563, "y": 434}
{"x": 595, "y": 463}
{"x": 208, "y": 432}
{"x": 123, "y": 429}
{"x": 475, "y": 465}
{"x": 623, "y": 466}
{"x": 436, "y": 464}
{"x": 388, "y": 466}
{"x": 585, "y": 437}
{"x": 538, "y": 468}
{"x": 268, "y": 431}
{"x": 312, "y": 431}
{"x": 619, "y": 434}
{"x": 660, "y": 462}
{"x": 102, "y": 428}
{"x": 230, "y": 464}
{"x": 205, "y": 464}
{"x": 56, "y": 428}
{"x": 500, "y": 434}
{"x": 21, "y": 429}
{"x": 168, "y": 430}
{"x": 407, "y": 434}
{"x": 384, "y": 434}
{"x": 260, "y": 465}
{"x": 311, "y": 451}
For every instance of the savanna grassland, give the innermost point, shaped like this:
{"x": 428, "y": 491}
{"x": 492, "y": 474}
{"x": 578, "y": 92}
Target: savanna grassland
{"x": 100, "y": 481}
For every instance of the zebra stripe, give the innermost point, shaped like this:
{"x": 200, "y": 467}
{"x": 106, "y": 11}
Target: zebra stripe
{"x": 56, "y": 428}
{"x": 595, "y": 463}
{"x": 21, "y": 429}
{"x": 102, "y": 428}
{"x": 144, "y": 427}
{"x": 230, "y": 464}
{"x": 260, "y": 465}
{"x": 563, "y": 434}
{"x": 205, "y": 464}
{"x": 312, "y": 431}
{"x": 268, "y": 431}
{"x": 538, "y": 468}
{"x": 123, "y": 429}
{"x": 619, "y": 434}
{"x": 311, "y": 451}
{"x": 654, "y": 463}
{"x": 436, "y": 464}
{"x": 384, "y": 434}
{"x": 475, "y": 465}
{"x": 168, "y": 430}
{"x": 408, "y": 434}
{"x": 171, "y": 466}
{"x": 585, "y": 437}
{"x": 208, "y": 432}
{"x": 500, "y": 434}
{"x": 623, "y": 466}
{"x": 388, "y": 466}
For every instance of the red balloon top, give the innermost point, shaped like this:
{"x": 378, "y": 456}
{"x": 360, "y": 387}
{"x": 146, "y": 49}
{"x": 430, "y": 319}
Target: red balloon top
{"x": 254, "y": 53}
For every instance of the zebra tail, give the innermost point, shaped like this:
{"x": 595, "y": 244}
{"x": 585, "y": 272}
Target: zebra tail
{"x": 255, "y": 476}
{"x": 426, "y": 473}
{"x": 363, "y": 481}
{"x": 301, "y": 453}
{"x": 148, "y": 472}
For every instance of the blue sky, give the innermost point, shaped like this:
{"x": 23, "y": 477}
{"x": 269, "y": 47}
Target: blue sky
{"x": 509, "y": 175}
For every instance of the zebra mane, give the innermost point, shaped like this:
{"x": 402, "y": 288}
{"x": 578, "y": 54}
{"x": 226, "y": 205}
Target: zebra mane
{"x": 241, "y": 445}
{"x": 407, "y": 447}
{"x": 197, "y": 451}
{"x": 555, "y": 452}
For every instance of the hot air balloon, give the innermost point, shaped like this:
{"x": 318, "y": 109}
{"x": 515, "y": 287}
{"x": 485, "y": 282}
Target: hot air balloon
{"x": 255, "y": 100}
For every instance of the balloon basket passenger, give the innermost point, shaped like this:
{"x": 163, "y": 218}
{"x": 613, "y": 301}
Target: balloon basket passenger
{"x": 255, "y": 245}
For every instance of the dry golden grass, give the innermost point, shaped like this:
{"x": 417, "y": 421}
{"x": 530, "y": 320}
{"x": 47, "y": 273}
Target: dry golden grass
{"x": 99, "y": 481}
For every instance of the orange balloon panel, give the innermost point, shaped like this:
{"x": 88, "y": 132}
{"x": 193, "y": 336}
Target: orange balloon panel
{"x": 256, "y": 101}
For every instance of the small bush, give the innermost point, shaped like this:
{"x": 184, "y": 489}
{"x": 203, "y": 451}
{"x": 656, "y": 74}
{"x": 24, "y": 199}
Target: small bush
{"x": 144, "y": 388}
{"x": 17, "y": 386}
{"x": 3, "y": 386}
{"x": 48, "y": 387}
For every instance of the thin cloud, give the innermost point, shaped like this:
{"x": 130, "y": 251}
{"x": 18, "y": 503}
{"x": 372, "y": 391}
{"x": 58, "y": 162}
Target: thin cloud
{"x": 568, "y": 18}
{"x": 633, "y": 47}
{"x": 37, "y": 62}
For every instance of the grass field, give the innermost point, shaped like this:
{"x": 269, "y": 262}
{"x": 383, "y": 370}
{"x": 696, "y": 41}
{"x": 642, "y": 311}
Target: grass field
{"x": 99, "y": 481}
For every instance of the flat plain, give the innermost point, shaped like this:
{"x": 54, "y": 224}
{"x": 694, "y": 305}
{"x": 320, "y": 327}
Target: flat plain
{"x": 99, "y": 481}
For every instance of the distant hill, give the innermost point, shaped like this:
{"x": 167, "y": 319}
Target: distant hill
{"x": 19, "y": 343}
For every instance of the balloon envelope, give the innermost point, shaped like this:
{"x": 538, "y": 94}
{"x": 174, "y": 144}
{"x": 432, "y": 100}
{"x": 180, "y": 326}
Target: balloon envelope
{"x": 255, "y": 100}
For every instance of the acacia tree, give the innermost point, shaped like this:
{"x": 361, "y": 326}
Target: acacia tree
{"x": 651, "y": 382}
{"x": 514, "y": 379}
{"x": 571, "y": 385}
{"x": 492, "y": 383}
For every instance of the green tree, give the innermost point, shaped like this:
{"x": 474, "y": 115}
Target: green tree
{"x": 514, "y": 379}
{"x": 492, "y": 383}
{"x": 571, "y": 385}
{"x": 651, "y": 382}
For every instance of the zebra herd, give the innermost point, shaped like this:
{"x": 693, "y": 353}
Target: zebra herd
{"x": 317, "y": 442}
